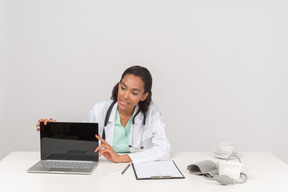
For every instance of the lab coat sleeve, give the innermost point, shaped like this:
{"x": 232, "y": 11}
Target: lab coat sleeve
{"x": 161, "y": 146}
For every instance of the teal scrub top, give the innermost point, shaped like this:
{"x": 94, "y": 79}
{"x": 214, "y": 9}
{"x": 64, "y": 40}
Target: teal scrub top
{"x": 121, "y": 135}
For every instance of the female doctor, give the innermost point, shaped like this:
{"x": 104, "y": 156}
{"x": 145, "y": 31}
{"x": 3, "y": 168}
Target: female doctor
{"x": 129, "y": 123}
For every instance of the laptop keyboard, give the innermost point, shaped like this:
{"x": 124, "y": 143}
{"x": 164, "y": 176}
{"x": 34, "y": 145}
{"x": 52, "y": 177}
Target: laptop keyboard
{"x": 65, "y": 164}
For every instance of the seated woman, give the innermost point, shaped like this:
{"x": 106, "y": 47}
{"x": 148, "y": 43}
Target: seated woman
{"x": 129, "y": 122}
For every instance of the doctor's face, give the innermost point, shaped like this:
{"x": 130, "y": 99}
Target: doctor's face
{"x": 130, "y": 92}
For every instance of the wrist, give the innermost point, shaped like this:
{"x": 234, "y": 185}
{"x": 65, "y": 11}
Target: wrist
{"x": 124, "y": 159}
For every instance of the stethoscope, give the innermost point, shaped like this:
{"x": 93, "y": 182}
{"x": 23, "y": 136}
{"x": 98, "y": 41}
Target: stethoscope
{"x": 132, "y": 149}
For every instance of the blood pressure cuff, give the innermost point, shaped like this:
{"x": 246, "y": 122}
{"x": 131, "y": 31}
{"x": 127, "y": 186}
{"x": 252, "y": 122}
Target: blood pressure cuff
{"x": 210, "y": 170}
{"x": 204, "y": 168}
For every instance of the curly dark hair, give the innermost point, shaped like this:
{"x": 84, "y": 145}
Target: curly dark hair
{"x": 146, "y": 77}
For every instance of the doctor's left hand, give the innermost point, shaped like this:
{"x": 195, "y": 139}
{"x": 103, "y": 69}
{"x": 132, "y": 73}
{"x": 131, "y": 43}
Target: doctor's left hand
{"x": 106, "y": 150}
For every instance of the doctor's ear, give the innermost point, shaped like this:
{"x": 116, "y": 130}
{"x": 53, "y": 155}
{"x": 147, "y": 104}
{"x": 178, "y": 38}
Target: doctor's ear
{"x": 145, "y": 95}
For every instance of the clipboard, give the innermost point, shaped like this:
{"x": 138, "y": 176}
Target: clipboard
{"x": 157, "y": 170}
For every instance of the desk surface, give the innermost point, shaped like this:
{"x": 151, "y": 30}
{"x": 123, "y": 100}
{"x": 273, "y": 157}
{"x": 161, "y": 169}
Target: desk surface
{"x": 265, "y": 173}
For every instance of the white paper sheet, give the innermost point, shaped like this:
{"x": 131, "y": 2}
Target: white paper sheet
{"x": 157, "y": 169}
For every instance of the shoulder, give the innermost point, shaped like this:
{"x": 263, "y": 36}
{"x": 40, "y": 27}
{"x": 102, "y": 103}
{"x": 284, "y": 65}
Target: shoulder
{"x": 154, "y": 118}
{"x": 98, "y": 111}
{"x": 153, "y": 107}
{"x": 102, "y": 105}
{"x": 153, "y": 110}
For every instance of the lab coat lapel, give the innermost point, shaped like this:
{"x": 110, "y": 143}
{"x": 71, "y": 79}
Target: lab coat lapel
{"x": 109, "y": 129}
{"x": 136, "y": 129}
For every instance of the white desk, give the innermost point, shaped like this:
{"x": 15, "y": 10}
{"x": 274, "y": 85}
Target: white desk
{"x": 265, "y": 173}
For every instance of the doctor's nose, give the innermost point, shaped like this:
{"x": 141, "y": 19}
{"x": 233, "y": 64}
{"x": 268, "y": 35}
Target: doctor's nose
{"x": 126, "y": 95}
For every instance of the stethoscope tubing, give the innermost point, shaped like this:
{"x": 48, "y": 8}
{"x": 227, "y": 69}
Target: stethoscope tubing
{"x": 107, "y": 119}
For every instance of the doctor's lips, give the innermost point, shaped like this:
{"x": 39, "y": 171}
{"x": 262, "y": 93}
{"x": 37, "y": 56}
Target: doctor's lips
{"x": 123, "y": 102}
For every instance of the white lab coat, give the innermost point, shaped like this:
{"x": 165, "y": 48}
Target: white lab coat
{"x": 154, "y": 142}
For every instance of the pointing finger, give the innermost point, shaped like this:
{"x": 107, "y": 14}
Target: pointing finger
{"x": 99, "y": 147}
{"x": 100, "y": 138}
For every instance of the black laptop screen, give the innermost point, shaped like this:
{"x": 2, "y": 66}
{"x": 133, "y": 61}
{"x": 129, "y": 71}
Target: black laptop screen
{"x": 68, "y": 141}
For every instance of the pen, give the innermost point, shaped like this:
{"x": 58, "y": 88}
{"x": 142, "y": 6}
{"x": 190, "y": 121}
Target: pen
{"x": 125, "y": 169}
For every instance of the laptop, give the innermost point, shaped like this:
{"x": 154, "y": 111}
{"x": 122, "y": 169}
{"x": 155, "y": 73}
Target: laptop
{"x": 67, "y": 147}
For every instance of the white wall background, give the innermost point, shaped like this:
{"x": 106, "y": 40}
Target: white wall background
{"x": 219, "y": 67}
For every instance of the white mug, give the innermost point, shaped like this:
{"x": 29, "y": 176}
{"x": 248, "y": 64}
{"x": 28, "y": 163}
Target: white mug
{"x": 231, "y": 169}
{"x": 224, "y": 149}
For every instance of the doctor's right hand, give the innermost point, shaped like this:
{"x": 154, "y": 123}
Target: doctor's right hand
{"x": 106, "y": 150}
{"x": 45, "y": 122}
